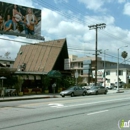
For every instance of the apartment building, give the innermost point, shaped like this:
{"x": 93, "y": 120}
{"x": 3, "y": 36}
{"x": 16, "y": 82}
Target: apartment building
{"x": 6, "y": 62}
{"x": 77, "y": 64}
{"x": 6, "y": 66}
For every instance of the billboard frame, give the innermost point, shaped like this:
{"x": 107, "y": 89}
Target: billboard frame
{"x": 18, "y": 20}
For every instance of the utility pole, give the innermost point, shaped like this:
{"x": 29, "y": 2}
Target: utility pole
{"x": 104, "y": 75}
{"x": 96, "y": 26}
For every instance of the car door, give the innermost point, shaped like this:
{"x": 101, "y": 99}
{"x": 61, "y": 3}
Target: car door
{"x": 76, "y": 90}
{"x": 99, "y": 89}
{"x": 80, "y": 91}
{"x": 102, "y": 89}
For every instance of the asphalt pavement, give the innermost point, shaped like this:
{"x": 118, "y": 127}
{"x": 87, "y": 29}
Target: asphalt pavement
{"x": 96, "y": 112}
{"x": 44, "y": 96}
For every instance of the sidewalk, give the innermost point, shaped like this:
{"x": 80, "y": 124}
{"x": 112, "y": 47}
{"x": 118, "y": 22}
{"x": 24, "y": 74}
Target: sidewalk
{"x": 28, "y": 97}
{"x": 121, "y": 90}
{"x": 44, "y": 96}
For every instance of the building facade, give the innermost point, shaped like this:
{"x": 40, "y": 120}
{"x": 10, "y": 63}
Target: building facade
{"x": 34, "y": 61}
{"x": 6, "y": 62}
{"x": 77, "y": 64}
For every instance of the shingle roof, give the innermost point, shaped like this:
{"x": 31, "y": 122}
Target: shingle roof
{"x": 39, "y": 57}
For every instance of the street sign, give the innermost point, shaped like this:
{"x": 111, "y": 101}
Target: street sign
{"x": 85, "y": 72}
{"x": 76, "y": 74}
{"x": 87, "y": 62}
{"x": 86, "y": 67}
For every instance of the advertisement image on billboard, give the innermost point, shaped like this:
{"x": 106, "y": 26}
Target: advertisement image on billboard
{"x": 19, "y": 20}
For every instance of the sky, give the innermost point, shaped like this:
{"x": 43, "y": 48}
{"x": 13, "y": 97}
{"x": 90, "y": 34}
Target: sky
{"x": 70, "y": 19}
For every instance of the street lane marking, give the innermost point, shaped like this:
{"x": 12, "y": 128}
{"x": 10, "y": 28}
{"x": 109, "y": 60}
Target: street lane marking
{"x": 76, "y": 105}
{"x": 29, "y": 105}
{"x": 5, "y": 108}
{"x": 57, "y": 105}
{"x": 97, "y": 112}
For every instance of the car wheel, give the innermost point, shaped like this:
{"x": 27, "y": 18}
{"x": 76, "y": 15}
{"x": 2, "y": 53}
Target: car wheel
{"x": 84, "y": 93}
{"x": 97, "y": 93}
{"x": 72, "y": 94}
{"x": 63, "y": 95}
{"x": 105, "y": 92}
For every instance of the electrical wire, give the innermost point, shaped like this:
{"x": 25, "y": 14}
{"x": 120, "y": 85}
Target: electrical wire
{"x": 69, "y": 48}
{"x": 52, "y": 7}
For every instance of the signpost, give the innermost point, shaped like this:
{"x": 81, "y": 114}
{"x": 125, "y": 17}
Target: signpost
{"x": 87, "y": 69}
{"x": 2, "y": 93}
{"x": 76, "y": 76}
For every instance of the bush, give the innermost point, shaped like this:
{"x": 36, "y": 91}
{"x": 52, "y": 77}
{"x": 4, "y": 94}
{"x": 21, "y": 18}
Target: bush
{"x": 127, "y": 86}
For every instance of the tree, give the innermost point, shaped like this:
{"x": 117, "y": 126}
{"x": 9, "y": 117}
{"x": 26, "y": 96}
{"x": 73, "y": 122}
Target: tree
{"x": 8, "y": 73}
{"x": 124, "y": 54}
{"x": 45, "y": 82}
{"x": 18, "y": 83}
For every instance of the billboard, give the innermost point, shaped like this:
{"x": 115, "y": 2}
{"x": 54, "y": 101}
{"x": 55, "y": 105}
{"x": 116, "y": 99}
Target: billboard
{"x": 20, "y": 20}
{"x": 66, "y": 64}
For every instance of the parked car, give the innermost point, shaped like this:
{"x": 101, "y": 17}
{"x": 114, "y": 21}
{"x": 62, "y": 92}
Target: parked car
{"x": 74, "y": 91}
{"x": 91, "y": 85}
{"x": 97, "y": 90}
{"x": 86, "y": 87}
{"x": 110, "y": 86}
{"x": 121, "y": 84}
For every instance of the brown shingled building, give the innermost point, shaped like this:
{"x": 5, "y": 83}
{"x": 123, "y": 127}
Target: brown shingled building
{"x": 35, "y": 60}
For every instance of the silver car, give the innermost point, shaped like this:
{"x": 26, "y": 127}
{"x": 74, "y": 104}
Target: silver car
{"x": 97, "y": 90}
{"x": 74, "y": 91}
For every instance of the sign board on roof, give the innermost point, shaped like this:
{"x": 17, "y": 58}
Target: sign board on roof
{"x": 66, "y": 64}
{"x": 86, "y": 62}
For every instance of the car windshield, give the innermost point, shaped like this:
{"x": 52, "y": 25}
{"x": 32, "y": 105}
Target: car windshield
{"x": 71, "y": 88}
{"x": 93, "y": 87}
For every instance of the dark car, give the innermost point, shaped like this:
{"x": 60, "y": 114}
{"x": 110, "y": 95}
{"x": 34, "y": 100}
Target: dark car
{"x": 91, "y": 85}
{"x": 74, "y": 91}
{"x": 97, "y": 90}
{"x": 121, "y": 84}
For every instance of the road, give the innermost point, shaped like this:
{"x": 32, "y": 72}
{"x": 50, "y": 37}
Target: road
{"x": 96, "y": 112}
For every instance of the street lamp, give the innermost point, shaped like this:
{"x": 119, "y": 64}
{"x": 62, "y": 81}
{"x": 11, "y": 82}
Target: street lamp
{"x": 76, "y": 76}
{"x": 118, "y": 68}
{"x": 105, "y": 69}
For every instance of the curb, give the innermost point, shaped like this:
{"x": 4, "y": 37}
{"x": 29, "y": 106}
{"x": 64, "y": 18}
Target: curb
{"x": 120, "y": 92}
{"x": 28, "y": 98}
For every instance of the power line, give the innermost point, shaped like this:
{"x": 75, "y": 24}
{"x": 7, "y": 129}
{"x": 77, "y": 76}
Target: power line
{"x": 44, "y": 3}
{"x": 50, "y": 6}
{"x": 69, "y": 48}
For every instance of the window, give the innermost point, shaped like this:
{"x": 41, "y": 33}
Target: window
{"x": 81, "y": 72}
{"x": 72, "y": 65}
{"x": 108, "y": 72}
{"x": 82, "y": 65}
{"x": 120, "y": 72}
{"x": 78, "y": 65}
{"x": 108, "y": 80}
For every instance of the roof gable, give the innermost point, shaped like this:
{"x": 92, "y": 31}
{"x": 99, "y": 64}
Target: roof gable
{"x": 40, "y": 57}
